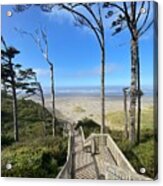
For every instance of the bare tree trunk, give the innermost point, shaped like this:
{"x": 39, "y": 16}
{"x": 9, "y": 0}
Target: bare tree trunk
{"x": 126, "y": 114}
{"x": 53, "y": 100}
{"x": 43, "y": 107}
{"x": 103, "y": 91}
{"x": 139, "y": 99}
{"x": 15, "y": 107}
{"x": 45, "y": 54}
{"x": 133, "y": 89}
{"x": 15, "y": 115}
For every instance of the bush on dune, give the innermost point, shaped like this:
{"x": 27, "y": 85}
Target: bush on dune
{"x": 42, "y": 158}
{"x": 142, "y": 155}
{"x": 28, "y": 110}
{"x": 6, "y": 140}
{"x": 89, "y": 126}
{"x": 36, "y": 154}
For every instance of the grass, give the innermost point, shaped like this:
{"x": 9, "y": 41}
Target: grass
{"x": 79, "y": 109}
{"x": 142, "y": 155}
{"x": 116, "y": 120}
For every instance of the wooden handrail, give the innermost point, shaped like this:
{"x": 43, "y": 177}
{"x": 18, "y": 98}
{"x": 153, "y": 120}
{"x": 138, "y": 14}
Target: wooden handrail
{"x": 66, "y": 171}
{"x": 115, "y": 172}
{"x": 121, "y": 170}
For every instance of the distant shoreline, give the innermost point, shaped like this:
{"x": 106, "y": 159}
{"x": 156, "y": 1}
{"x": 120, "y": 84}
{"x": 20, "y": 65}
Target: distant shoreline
{"x": 107, "y": 96}
{"x": 94, "y": 91}
{"x": 77, "y": 107}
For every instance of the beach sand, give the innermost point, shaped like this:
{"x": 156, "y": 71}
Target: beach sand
{"x": 78, "y": 107}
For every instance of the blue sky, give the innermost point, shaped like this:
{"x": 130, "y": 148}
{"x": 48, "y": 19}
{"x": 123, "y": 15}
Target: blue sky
{"x": 75, "y": 51}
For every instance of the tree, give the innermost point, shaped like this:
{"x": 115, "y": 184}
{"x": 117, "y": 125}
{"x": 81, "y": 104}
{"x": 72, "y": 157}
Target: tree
{"x": 41, "y": 94}
{"x": 10, "y": 53}
{"x": 125, "y": 94}
{"x": 134, "y": 16}
{"x": 14, "y": 79}
{"x": 39, "y": 37}
{"x": 94, "y": 21}
{"x": 28, "y": 85}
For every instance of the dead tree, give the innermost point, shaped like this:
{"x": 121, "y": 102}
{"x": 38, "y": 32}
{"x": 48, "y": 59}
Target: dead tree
{"x": 41, "y": 94}
{"x": 38, "y": 37}
{"x": 93, "y": 19}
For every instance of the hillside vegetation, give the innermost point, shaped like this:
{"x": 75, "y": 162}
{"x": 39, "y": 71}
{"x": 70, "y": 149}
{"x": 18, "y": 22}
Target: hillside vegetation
{"x": 36, "y": 155}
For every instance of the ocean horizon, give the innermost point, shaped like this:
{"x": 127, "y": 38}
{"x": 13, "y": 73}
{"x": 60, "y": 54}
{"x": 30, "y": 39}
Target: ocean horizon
{"x": 111, "y": 91}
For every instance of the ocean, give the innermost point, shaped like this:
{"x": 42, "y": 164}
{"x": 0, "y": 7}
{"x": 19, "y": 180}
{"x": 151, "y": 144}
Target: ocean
{"x": 93, "y": 91}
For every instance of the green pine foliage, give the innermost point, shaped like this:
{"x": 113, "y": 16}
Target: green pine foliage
{"x": 36, "y": 155}
{"x": 29, "y": 113}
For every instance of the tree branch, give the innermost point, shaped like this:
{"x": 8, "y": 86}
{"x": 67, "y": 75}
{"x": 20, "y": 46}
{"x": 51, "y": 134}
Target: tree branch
{"x": 128, "y": 19}
{"x": 45, "y": 39}
{"x": 133, "y": 8}
{"x": 143, "y": 31}
{"x": 80, "y": 22}
{"x": 37, "y": 41}
{"x": 146, "y": 18}
{"x": 4, "y": 43}
{"x": 91, "y": 13}
{"x": 3, "y": 58}
{"x": 139, "y": 14}
{"x": 117, "y": 6}
{"x": 86, "y": 19}
{"x": 100, "y": 16}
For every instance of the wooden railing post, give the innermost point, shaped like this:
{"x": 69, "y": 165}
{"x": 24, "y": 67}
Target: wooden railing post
{"x": 67, "y": 170}
{"x": 93, "y": 146}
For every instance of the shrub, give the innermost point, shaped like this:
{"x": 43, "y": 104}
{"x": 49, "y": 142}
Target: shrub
{"x": 42, "y": 158}
{"x": 79, "y": 109}
{"x": 28, "y": 110}
{"x": 142, "y": 155}
{"x": 6, "y": 140}
{"x": 89, "y": 126}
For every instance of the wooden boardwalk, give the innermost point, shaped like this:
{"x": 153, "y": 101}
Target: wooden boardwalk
{"x": 87, "y": 165}
{"x": 84, "y": 164}
{"x": 102, "y": 161}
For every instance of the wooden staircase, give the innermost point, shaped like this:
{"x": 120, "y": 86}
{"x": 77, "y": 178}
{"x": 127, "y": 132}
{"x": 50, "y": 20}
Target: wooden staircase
{"x": 97, "y": 157}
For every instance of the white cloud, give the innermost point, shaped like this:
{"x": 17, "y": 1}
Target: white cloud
{"x": 60, "y": 16}
{"x": 113, "y": 67}
{"x": 41, "y": 72}
{"x": 94, "y": 72}
{"x": 109, "y": 68}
